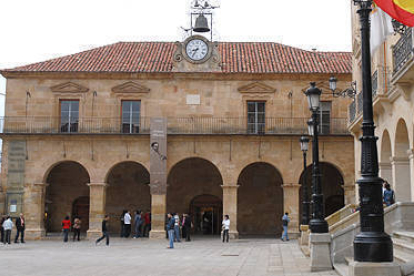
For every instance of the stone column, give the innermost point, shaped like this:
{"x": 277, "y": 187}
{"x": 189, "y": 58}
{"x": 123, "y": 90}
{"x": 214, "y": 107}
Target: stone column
{"x": 401, "y": 178}
{"x": 386, "y": 171}
{"x": 291, "y": 205}
{"x": 411, "y": 161}
{"x": 158, "y": 211}
{"x": 97, "y": 202}
{"x": 230, "y": 208}
{"x": 34, "y": 210}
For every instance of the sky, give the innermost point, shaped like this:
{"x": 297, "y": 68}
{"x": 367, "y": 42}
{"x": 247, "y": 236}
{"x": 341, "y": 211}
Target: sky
{"x": 33, "y": 31}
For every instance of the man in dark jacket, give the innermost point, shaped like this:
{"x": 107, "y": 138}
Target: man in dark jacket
{"x": 20, "y": 226}
{"x": 170, "y": 229}
{"x": 187, "y": 227}
{"x": 105, "y": 232}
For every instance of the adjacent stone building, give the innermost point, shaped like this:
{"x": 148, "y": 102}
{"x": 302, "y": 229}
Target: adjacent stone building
{"x": 191, "y": 127}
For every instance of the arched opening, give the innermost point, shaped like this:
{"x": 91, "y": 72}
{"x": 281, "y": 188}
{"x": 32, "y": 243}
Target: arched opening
{"x": 260, "y": 200}
{"x": 386, "y": 154}
{"x": 67, "y": 188}
{"x": 401, "y": 164}
{"x": 128, "y": 189}
{"x": 208, "y": 212}
{"x": 194, "y": 186}
{"x": 332, "y": 188}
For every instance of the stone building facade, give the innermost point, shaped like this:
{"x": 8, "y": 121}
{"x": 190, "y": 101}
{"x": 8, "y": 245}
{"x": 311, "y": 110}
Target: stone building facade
{"x": 393, "y": 94}
{"x": 143, "y": 126}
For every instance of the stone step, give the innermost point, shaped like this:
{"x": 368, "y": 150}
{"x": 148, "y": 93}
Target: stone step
{"x": 404, "y": 235}
{"x": 402, "y": 257}
{"x": 403, "y": 245}
{"x": 342, "y": 269}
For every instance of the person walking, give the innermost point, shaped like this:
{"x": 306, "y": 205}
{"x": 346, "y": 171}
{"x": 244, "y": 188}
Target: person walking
{"x": 77, "y": 223}
{"x": 187, "y": 226}
{"x": 226, "y": 228}
{"x": 177, "y": 228}
{"x": 389, "y": 195}
{"x": 3, "y": 218}
{"x": 66, "y": 228}
{"x": 20, "y": 226}
{"x": 7, "y": 226}
{"x": 170, "y": 229}
{"x": 127, "y": 222}
{"x": 147, "y": 227}
{"x": 105, "y": 232}
{"x": 137, "y": 224}
{"x": 285, "y": 223}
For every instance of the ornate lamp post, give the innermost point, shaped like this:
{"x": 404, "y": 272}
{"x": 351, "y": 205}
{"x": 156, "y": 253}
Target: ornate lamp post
{"x": 372, "y": 244}
{"x": 318, "y": 223}
{"x": 304, "y": 146}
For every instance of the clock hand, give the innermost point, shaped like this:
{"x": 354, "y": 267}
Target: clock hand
{"x": 194, "y": 52}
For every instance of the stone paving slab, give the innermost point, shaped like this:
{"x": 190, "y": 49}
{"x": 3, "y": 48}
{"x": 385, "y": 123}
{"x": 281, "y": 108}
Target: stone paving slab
{"x": 142, "y": 257}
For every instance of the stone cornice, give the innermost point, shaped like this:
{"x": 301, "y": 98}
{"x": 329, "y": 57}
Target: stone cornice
{"x": 256, "y": 87}
{"x": 69, "y": 87}
{"x": 130, "y": 87}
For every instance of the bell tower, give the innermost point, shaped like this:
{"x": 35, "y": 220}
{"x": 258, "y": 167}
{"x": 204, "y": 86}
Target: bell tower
{"x": 198, "y": 53}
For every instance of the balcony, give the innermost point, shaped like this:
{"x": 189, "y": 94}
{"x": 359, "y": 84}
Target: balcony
{"x": 176, "y": 125}
{"x": 403, "y": 55}
{"x": 352, "y": 112}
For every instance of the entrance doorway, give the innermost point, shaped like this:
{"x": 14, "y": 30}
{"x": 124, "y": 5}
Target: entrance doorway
{"x": 80, "y": 209}
{"x": 207, "y": 212}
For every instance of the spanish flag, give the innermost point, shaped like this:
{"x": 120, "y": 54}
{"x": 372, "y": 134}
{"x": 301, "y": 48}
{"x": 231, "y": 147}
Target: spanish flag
{"x": 400, "y": 10}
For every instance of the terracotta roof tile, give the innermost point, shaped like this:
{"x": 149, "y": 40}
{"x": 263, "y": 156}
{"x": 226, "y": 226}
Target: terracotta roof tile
{"x": 237, "y": 57}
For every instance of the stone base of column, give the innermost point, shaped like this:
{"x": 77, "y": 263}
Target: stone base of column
{"x": 304, "y": 237}
{"x": 93, "y": 234}
{"x": 233, "y": 235}
{"x": 31, "y": 234}
{"x": 374, "y": 269}
{"x": 157, "y": 234}
{"x": 320, "y": 252}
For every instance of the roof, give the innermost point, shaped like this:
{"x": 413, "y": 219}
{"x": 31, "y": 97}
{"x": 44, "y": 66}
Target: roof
{"x": 156, "y": 57}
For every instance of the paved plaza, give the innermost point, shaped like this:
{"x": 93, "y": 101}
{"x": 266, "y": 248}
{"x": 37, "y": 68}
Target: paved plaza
{"x": 202, "y": 256}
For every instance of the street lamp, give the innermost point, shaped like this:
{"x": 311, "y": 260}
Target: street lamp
{"x": 318, "y": 223}
{"x": 304, "y": 146}
{"x": 350, "y": 92}
{"x": 372, "y": 244}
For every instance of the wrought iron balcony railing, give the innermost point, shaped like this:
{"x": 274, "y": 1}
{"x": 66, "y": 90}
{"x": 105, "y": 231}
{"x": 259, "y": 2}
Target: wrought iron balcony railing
{"x": 403, "y": 50}
{"x": 176, "y": 125}
{"x": 352, "y": 112}
{"x": 359, "y": 102}
{"x": 374, "y": 84}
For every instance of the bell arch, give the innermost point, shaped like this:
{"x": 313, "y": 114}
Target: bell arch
{"x": 260, "y": 200}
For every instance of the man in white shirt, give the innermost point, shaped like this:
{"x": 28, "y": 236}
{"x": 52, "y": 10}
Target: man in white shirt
{"x": 226, "y": 227}
{"x": 127, "y": 222}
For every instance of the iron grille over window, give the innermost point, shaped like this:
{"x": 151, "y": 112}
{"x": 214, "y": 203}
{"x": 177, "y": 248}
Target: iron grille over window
{"x": 325, "y": 118}
{"x": 256, "y": 117}
{"x": 69, "y": 116}
{"x": 130, "y": 116}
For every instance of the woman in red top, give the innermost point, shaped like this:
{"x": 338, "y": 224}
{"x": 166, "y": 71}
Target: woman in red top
{"x": 65, "y": 228}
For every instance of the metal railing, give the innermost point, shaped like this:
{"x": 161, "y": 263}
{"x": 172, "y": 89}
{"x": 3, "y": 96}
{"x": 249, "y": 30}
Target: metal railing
{"x": 176, "y": 125}
{"x": 352, "y": 111}
{"x": 403, "y": 50}
{"x": 374, "y": 84}
{"x": 359, "y": 102}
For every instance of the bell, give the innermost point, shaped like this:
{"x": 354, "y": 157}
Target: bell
{"x": 201, "y": 24}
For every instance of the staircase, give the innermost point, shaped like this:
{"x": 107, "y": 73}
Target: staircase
{"x": 403, "y": 246}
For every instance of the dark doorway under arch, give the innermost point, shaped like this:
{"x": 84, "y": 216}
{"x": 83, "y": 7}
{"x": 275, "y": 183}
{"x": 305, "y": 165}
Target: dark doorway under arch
{"x": 67, "y": 182}
{"x": 207, "y": 213}
{"x": 80, "y": 209}
{"x": 332, "y": 188}
{"x": 260, "y": 200}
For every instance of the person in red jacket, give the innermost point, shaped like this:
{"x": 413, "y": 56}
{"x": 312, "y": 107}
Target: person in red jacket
{"x": 65, "y": 228}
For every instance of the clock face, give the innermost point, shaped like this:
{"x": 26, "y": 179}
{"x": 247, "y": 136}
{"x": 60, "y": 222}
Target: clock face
{"x": 197, "y": 49}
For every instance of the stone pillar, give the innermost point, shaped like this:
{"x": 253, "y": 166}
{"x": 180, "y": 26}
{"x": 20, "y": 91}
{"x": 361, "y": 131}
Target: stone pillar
{"x": 34, "y": 210}
{"x": 386, "y": 171}
{"x": 291, "y": 205}
{"x": 158, "y": 211}
{"x": 97, "y": 202}
{"x": 401, "y": 178}
{"x": 230, "y": 208}
{"x": 411, "y": 161}
{"x": 320, "y": 252}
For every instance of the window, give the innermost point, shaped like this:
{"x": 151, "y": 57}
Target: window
{"x": 255, "y": 117}
{"x": 69, "y": 116}
{"x": 325, "y": 118}
{"x": 130, "y": 116}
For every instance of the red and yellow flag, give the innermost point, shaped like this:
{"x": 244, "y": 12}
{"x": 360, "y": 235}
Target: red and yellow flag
{"x": 400, "y": 10}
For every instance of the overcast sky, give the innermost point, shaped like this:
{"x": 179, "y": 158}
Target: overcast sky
{"x": 37, "y": 30}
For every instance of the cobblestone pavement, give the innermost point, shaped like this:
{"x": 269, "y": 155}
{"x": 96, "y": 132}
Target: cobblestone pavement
{"x": 141, "y": 257}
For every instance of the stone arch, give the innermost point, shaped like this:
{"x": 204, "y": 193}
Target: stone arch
{"x": 52, "y": 165}
{"x": 128, "y": 189}
{"x": 67, "y": 183}
{"x": 190, "y": 178}
{"x": 260, "y": 200}
{"x": 400, "y": 163}
{"x": 332, "y": 187}
{"x": 385, "y": 157}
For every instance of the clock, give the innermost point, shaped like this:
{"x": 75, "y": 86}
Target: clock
{"x": 196, "y": 49}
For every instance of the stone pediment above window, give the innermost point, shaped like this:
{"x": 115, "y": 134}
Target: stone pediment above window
{"x": 256, "y": 87}
{"x": 130, "y": 87}
{"x": 69, "y": 87}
